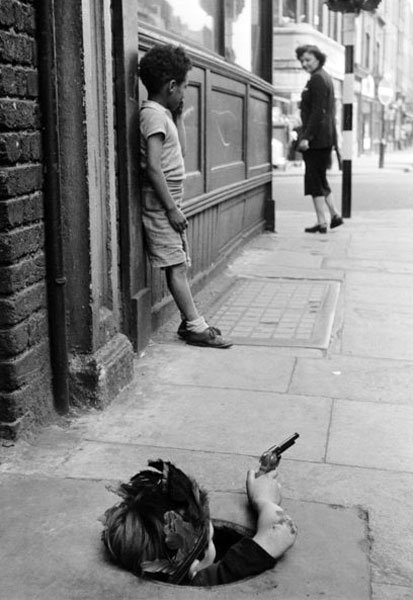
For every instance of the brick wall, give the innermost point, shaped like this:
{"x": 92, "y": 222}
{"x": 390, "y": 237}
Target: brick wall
{"x": 25, "y": 377}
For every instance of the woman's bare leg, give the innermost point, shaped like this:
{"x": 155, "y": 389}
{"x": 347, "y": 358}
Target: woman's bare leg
{"x": 318, "y": 202}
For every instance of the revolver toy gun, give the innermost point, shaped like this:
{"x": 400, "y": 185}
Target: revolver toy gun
{"x": 271, "y": 457}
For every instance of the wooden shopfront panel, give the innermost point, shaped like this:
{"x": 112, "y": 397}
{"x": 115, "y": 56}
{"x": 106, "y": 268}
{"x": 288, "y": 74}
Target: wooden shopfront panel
{"x": 225, "y": 131}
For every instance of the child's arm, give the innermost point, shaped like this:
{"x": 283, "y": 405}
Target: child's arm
{"x": 276, "y": 531}
{"x": 157, "y": 178}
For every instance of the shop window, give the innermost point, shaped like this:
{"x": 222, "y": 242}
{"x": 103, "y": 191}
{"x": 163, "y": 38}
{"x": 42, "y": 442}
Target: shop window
{"x": 235, "y": 29}
{"x": 243, "y": 33}
{"x": 291, "y": 11}
{"x": 195, "y": 21}
{"x": 318, "y": 14}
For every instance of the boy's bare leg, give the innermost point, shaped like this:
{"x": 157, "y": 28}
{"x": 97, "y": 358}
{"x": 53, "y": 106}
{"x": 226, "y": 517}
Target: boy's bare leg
{"x": 196, "y": 331}
{"x": 178, "y": 285}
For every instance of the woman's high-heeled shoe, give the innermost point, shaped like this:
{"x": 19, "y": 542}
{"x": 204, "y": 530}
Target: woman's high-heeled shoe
{"x": 316, "y": 229}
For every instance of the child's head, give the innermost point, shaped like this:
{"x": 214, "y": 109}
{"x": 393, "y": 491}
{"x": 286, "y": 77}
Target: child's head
{"x": 161, "y": 528}
{"x": 164, "y": 65}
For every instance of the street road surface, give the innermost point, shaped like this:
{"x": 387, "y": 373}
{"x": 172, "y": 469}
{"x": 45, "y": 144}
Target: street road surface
{"x": 370, "y": 191}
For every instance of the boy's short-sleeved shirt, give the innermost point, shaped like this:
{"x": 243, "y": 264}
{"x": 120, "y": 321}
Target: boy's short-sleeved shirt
{"x": 154, "y": 119}
{"x": 244, "y": 559}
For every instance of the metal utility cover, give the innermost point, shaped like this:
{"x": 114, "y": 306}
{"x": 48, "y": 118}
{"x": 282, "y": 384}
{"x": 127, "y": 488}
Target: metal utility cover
{"x": 267, "y": 312}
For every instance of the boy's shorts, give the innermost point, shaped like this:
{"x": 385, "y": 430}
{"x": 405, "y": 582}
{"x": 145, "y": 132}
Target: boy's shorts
{"x": 166, "y": 247}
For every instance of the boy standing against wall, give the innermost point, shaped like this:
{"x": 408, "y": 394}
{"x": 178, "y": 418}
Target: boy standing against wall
{"x": 164, "y": 72}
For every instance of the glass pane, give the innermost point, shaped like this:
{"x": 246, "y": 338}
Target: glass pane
{"x": 303, "y": 17}
{"x": 243, "y": 36}
{"x": 226, "y": 133}
{"x": 192, "y": 113}
{"x": 318, "y": 14}
{"x": 194, "y": 20}
{"x": 290, "y": 11}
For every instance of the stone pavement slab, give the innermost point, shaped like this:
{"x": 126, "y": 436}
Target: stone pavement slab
{"x": 216, "y": 420}
{"x": 264, "y": 369}
{"x": 354, "y": 378}
{"x": 368, "y": 265}
{"x": 365, "y": 434}
{"x": 378, "y": 315}
{"x": 392, "y": 245}
{"x": 386, "y": 495}
{"x": 378, "y": 331}
{"x": 58, "y": 519}
{"x": 390, "y": 592}
{"x": 51, "y": 545}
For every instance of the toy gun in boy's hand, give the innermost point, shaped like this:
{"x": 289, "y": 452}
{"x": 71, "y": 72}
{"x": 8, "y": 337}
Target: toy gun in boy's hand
{"x": 271, "y": 457}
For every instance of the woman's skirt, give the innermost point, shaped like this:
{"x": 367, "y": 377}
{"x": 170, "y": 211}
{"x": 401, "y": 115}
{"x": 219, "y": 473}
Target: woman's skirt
{"x": 317, "y": 161}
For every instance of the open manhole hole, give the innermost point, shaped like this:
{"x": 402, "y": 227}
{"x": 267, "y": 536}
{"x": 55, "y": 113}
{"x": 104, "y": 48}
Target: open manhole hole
{"x": 226, "y": 534}
{"x": 263, "y": 312}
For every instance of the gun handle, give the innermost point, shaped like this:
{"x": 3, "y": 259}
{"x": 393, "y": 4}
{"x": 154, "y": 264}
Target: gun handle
{"x": 269, "y": 464}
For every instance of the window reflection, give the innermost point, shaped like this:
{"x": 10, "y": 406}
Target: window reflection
{"x": 289, "y": 11}
{"x": 194, "y": 20}
{"x": 201, "y": 22}
{"x": 243, "y": 33}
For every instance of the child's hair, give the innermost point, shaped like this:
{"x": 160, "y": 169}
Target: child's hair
{"x": 161, "y": 64}
{"x": 312, "y": 49}
{"x": 161, "y": 525}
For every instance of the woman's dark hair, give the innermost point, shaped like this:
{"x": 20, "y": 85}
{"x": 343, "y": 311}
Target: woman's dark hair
{"x": 161, "y": 64}
{"x": 311, "y": 49}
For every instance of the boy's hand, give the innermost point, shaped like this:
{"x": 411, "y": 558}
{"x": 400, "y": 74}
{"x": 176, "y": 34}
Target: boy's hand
{"x": 263, "y": 489}
{"x": 178, "y": 110}
{"x": 177, "y": 219}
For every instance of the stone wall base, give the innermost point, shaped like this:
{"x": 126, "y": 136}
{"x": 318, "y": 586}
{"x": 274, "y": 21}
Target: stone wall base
{"x": 96, "y": 379}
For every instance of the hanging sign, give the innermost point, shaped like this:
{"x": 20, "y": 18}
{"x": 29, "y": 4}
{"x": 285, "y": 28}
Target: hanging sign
{"x": 385, "y": 92}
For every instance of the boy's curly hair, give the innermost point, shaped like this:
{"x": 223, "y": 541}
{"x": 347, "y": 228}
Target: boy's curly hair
{"x": 161, "y": 64}
{"x": 161, "y": 524}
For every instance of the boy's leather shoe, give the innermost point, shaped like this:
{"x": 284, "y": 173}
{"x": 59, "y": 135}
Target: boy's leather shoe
{"x": 316, "y": 229}
{"x": 207, "y": 338}
{"x": 336, "y": 221}
{"x": 183, "y": 331}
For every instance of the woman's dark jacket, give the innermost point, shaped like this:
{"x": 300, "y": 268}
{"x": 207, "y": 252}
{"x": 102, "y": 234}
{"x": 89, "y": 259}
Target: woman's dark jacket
{"x": 318, "y": 111}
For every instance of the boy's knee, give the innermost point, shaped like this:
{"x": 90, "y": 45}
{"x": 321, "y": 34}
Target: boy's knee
{"x": 177, "y": 270}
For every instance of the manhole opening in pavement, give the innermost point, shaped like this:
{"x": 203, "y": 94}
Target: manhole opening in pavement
{"x": 281, "y": 312}
{"x": 226, "y": 534}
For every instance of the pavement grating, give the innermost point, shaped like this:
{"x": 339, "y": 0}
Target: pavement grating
{"x": 268, "y": 312}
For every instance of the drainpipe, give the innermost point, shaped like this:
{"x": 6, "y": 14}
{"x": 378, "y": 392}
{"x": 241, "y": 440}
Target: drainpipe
{"x": 49, "y": 101}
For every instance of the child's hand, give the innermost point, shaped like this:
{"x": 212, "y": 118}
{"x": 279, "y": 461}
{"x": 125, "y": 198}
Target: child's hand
{"x": 263, "y": 489}
{"x": 177, "y": 219}
{"x": 178, "y": 110}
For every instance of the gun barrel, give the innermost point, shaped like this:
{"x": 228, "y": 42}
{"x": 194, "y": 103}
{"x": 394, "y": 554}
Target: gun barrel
{"x": 287, "y": 443}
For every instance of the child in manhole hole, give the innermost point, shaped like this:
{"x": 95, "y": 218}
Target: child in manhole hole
{"x": 162, "y": 529}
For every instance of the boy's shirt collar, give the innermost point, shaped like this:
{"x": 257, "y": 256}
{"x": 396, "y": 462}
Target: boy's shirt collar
{"x": 155, "y": 105}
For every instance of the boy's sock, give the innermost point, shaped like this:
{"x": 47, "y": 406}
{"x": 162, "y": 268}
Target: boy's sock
{"x": 197, "y": 325}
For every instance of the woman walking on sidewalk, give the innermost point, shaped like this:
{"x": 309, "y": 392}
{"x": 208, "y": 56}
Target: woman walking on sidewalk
{"x": 318, "y": 135}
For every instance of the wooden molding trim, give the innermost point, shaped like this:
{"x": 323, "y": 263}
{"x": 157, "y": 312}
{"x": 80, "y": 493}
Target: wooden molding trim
{"x": 204, "y": 201}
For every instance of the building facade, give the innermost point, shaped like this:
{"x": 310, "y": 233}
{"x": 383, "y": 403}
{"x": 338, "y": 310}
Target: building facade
{"x": 297, "y": 23}
{"x": 78, "y": 299}
{"x": 382, "y": 55}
